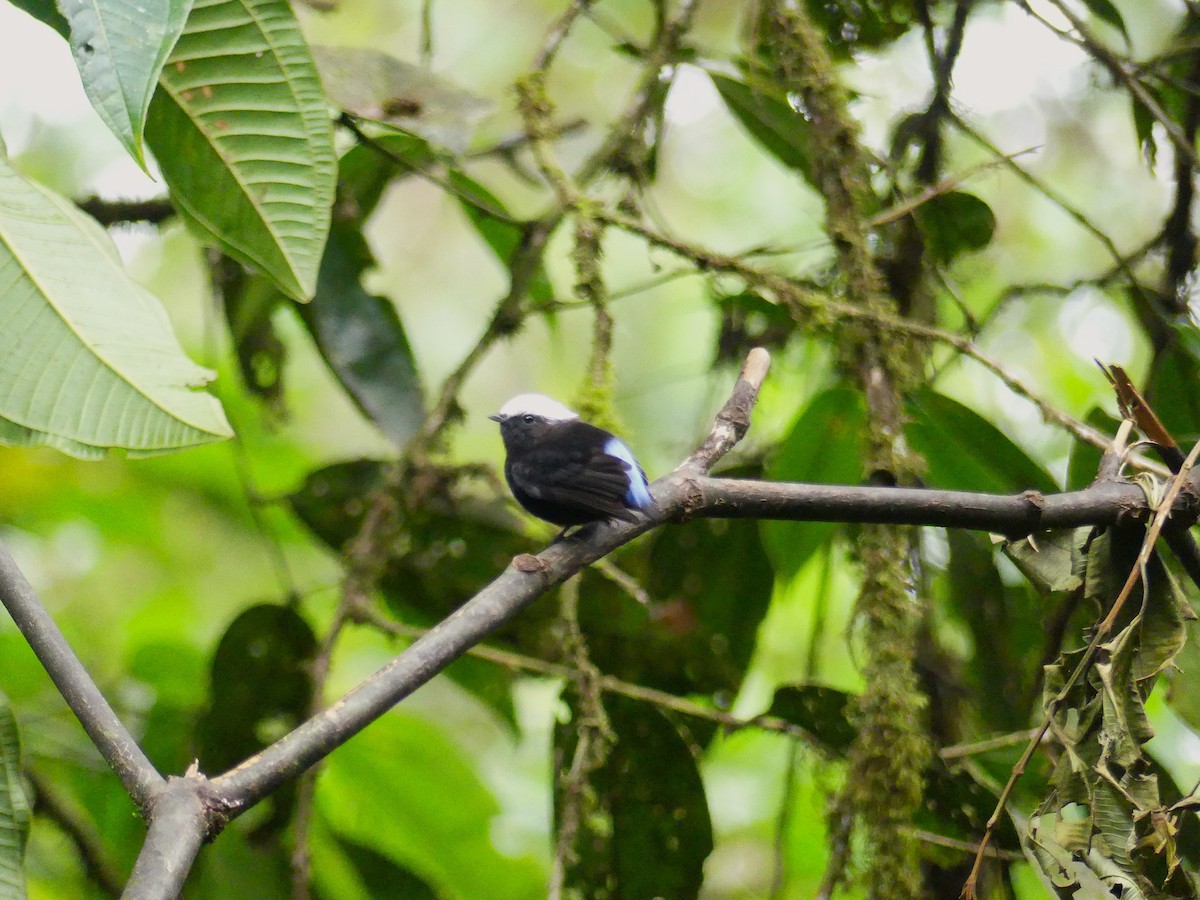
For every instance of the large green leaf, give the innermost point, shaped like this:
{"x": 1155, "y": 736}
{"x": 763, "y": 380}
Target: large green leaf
{"x": 119, "y": 48}
{"x": 14, "y": 807}
{"x": 88, "y": 360}
{"x": 406, "y": 790}
{"x": 241, "y": 130}
{"x": 825, "y": 446}
{"x": 966, "y": 452}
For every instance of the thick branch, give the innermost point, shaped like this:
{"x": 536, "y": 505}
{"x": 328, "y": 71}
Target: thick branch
{"x": 138, "y": 776}
{"x": 1103, "y": 503}
{"x": 180, "y": 821}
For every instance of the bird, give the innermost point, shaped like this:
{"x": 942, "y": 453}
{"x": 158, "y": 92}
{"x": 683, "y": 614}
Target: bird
{"x": 567, "y": 471}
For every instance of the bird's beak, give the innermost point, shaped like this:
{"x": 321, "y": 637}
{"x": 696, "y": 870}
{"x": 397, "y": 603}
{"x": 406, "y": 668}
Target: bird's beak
{"x": 496, "y": 417}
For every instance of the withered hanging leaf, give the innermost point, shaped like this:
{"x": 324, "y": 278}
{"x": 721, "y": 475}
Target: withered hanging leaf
{"x": 1052, "y": 560}
{"x": 1105, "y": 806}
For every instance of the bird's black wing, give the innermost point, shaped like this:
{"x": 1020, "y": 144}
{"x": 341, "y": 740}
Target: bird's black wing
{"x": 585, "y": 480}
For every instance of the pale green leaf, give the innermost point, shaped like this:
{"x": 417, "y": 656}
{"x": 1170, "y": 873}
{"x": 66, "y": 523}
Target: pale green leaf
{"x": 241, "y": 130}
{"x": 88, "y": 360}
{"x": 119, "y": 47}
{"x": 378, "y": 86}
{"x": 14, "y": 807}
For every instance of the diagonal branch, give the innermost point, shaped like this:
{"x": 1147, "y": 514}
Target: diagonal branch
{"x": 138, "y": 776}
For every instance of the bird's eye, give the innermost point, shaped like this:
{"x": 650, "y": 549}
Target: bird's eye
{"x": 528, "y": 418}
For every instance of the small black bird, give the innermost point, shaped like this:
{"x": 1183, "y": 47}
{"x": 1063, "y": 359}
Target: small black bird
{"x": 564, "y": 470}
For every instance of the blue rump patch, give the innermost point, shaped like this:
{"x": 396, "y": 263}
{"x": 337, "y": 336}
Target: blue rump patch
{"x": 638, "y": 495}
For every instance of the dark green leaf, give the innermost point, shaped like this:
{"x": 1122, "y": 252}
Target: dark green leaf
{"x": 361, "y": 338}
{"x": 649, "y": 831}
{"x": 728, "y": 599}
{"x": 956, "y": 806}
{"x": 819, "y": 710}
{"x": 444, "y": 554}
{"x": 499, "y": 230}
{"x": 366, "y": 170}
{"x": 259, "y": 685}
{"x": 1171, "y": 388}
{"x": 750, "y": 320}
{"x": 260, "y": 688}
{"x": 766, "y": 115}
{"x": 825, "y": 446}
{"x": 979, "y": 598}
{"x": 851, "y": 25}
{"x": 1106, "y": 11}
{"x": 46, "y": 12}
{"x": 966, "y": 452}
{"x": 954, "y": 223}
{"x": 14, "y": 807}
{"x": 379, "y": 876}
{"x": 250, "y": 304}
{"x": 1084, "y": 461}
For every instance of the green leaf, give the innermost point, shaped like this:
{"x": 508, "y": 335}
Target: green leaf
{"x": 953, "y": 223}
{"x": 119, "y": 48}
{"x": 502, "y": 235}
{"x": 650, "y": 831}
{"x": 966, "y": 452}
{"x": 90, "y": 360}
{"x": 825, "y": 446}
{"x": 361, "y": 338}
{"x": 819, "y": 710}
{"x": 378, "y": 86}
{"x": 15, "y": 813}
{"x": 241, "y": 130}
{"x": 404, "y": 789}
{"x": 765, "y": 113}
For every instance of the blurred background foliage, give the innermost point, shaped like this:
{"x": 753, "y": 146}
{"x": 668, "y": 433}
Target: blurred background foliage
{"x": 199, "y": 587}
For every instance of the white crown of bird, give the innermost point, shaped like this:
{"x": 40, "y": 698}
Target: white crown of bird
{"x": 539, "y": 405}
